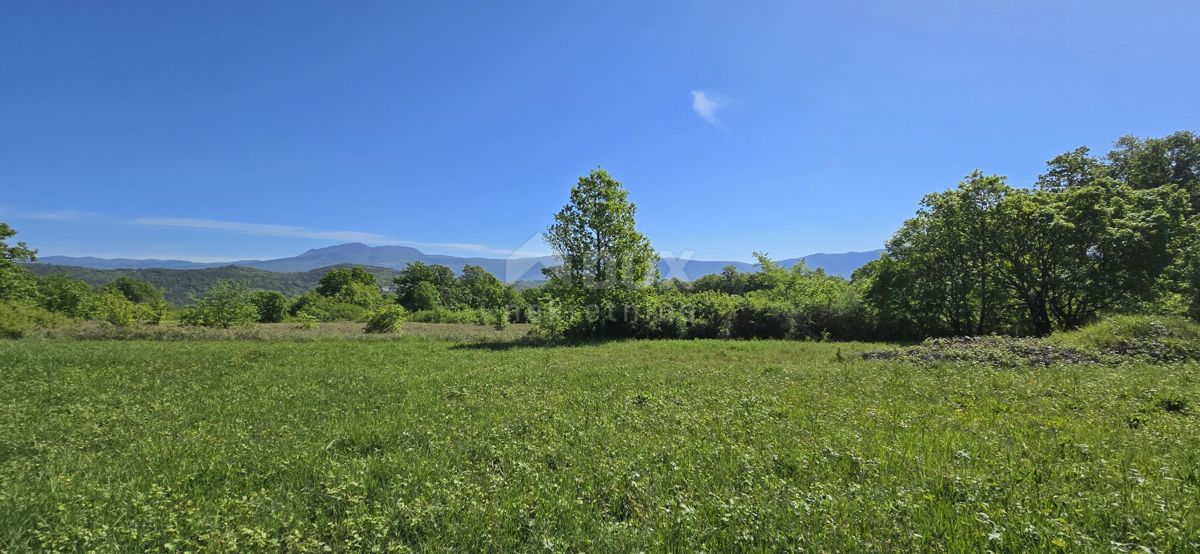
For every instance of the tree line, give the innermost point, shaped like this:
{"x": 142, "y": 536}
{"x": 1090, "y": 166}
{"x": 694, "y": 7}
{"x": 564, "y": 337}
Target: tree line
{"x": 1094, "y": 235}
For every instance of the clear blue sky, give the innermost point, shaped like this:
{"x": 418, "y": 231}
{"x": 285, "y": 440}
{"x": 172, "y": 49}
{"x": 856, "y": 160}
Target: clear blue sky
{"x": 215, "y": 130}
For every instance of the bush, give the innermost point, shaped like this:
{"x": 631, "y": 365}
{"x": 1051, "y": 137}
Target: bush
{"x": 500, "y": 321}
{"x": 1154, "y": 338}
{"x": 425, "y": 296}
{"x": 326, "y": 308}
{"x": 553, "y": 320}
{"x": 758, "y": 317}
{"x": 226, "y": 305}
{"x": 990, "y": 351}
{"x": 711, "y": 314}
{"x": 115, "y": 309}
{"x": 271, "y": 305}
{"x": 388, "y": 319}
{"x": 18, "y": 319}
{"x": 462, "y": 317}
{"x": 70, "y": 297}
{"x": 307, "y": 321}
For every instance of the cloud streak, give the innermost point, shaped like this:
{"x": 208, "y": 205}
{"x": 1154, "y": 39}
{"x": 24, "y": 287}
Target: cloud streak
{"x": 292, "y": 231}
{"x": 243, "y": 228}
{"x": 706, "y": 106}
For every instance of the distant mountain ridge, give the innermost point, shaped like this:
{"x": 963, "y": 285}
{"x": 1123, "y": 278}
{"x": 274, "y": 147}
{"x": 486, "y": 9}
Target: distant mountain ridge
{"x": 397, "y": 257}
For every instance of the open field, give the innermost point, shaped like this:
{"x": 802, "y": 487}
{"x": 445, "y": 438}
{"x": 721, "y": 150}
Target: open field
{"x": 438, "y": 441}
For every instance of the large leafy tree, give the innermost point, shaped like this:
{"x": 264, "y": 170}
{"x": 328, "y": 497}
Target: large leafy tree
{"x": 606, "y": 262}
{"x": 271, "y": 305}
{"x": 62, "y": 294}
{"x": 1150, "y": 163}
{"x": 1071, "y": 254}
{"x": 352, "y": 285}
{"x": 477, "y": 288}
{"x": 941, "y": 272}
{"x": 135, "y": 290}
{"x": 413, "y": 296}
{"x": 15, "y": 282}
{"x": 1175, "y": 160}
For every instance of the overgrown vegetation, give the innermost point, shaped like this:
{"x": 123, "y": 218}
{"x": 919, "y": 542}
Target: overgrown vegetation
{"x": 264, "y": 421}
{"x": 415, "y": 443}
{"x": 1094, "y": 237}
{"x": 386, "y": 320}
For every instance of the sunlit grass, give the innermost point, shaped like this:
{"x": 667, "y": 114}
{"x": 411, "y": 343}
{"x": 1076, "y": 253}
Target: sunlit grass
{"x": 426, "y": 443}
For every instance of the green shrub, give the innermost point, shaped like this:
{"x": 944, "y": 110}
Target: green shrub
{"x": 327, "y": 309}
{"x": 711, "y": 314}
{"x": 462, "y": 317}
{"x": 552, "y": 320}
{"x": 70, "y": 297}
{"x": 388, "y": 319}
{"x": 501, "y": 317}
{"x": 271, "y": 305}
{"x": 307, "y": 321}
{"x": 1156, "y": 338}
{"x": 18, "y": 319}
{"x": 226, "y": 305}
{"x": 115, "y": 309}
{"x": 763, "y": 318}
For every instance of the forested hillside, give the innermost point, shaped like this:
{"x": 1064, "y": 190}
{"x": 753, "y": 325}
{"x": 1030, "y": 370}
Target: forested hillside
{"x": 180, "y": 286}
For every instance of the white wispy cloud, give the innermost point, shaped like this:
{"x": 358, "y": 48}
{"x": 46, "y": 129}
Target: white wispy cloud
{"x": 292, "y": 231}
{"x": 244, "y": 228}
{"x": 706, "y": 106}
{"x": 260, "y": 229}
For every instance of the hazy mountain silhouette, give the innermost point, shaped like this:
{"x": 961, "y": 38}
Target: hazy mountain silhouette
{"x": 397, "y": 257}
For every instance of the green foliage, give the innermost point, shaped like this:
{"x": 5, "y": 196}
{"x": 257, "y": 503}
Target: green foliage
{"x": 946, "y": 279}
{"x": 15, "y": 282}
{"x": 227, "y": 304}
{"x": 115, "y": 309}
{"x": 422, "y": 286}
{"x": 306, "y": 321}
{"x": 729, "y": 281}
{"x": 149, "y": 306}
{"x": 821, "y": 305}
{"x": 1153, "y": 162}
{"x": 70, "y": 297}
{"x": 18, "y": 319}
{"x": 551, "y": 320}
{"x": 984, "y": 258}
{"x": 500, "y": 318}
{"x": 479, "y": 289}
{"x": 325, "y": 308}
{"x": 271, "y": 306}
{"x": 180, "y": 286}
{"x": 388, "y": 319}
{"x": 1156, "y": 338}
{"x": 424, "y": 296}
{"x": 401, "y": 443}
{"x": 606, "y": 263}
{"x": 442, "y": 315}
{"x": 353, "y": 285}
{"x": 135, "y": 290}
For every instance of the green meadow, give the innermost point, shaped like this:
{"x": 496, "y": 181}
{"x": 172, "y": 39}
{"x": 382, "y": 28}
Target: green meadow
{"x": 437, "y": 441}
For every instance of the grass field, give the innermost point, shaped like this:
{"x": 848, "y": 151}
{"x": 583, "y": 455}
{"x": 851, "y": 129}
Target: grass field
{"x": 438, "y": 440}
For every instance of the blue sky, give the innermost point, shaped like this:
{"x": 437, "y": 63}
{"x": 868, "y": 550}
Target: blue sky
{"x": 225, "y": 130}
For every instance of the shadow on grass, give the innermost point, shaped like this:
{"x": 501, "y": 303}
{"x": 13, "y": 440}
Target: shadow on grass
{"x": 532, "y": 342}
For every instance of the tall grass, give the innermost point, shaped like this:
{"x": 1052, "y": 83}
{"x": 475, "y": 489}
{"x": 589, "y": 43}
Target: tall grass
{"x": 421, "y": 443}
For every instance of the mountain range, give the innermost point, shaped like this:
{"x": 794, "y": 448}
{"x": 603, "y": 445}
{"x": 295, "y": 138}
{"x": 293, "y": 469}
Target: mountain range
{"x": 510, "y": 270}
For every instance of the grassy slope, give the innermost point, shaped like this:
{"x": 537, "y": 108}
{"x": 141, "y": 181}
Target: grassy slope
{"x": 435, "y": 444}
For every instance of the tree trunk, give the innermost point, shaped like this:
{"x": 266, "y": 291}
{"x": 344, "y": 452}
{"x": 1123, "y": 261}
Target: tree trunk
{"x": 1039, "y": 316}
